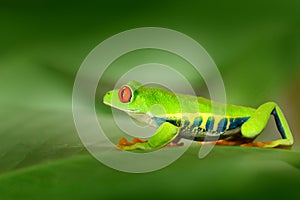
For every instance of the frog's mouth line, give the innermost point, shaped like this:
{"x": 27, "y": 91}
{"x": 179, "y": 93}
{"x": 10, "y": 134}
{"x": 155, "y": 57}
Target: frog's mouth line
{"x": 127, "y": 111}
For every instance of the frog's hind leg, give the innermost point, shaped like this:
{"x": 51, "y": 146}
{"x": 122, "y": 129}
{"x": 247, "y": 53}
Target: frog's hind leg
{"x": 257, "y": 122}
{"x": 233, "y": 140}
{"x": 221, "y": 142}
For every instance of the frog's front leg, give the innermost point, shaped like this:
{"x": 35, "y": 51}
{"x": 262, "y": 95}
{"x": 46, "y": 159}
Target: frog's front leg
{"x": 257, "y": 122}
{"x": 165, "y": 134}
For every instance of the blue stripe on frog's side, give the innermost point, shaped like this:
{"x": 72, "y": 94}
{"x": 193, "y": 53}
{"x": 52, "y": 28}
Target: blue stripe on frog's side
{"x": 236, "y": 122}
{"x": 160, "y": 120}
{"x": 186, "y": 122}
{"x": 210, "y": 123}
{"x": 197, "y": 122}
{"x": 222, "y": 125}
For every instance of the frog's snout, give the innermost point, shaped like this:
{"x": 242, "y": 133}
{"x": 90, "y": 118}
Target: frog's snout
{"x": 107, "y": 98}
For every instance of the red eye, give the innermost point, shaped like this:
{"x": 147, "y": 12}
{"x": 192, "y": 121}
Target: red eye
{"x": 125, "y": 94}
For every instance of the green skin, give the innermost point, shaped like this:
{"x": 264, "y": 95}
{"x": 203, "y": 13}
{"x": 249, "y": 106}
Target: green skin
{"x": 176, "y": 117}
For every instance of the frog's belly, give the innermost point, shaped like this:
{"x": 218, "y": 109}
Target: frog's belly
{"x": 201, "y": 134}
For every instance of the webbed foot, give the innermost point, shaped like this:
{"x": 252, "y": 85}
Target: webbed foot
{"x": 125, "y": 144}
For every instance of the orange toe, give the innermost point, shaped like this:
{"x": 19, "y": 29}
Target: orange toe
{"x": 255, "y": 144}
{"x": 124, "y": 142}
{"x": 138, "y": 140}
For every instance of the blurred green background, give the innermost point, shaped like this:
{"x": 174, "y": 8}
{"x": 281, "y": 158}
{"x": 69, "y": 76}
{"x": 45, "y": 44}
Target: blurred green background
{"x": 255, "y": 44}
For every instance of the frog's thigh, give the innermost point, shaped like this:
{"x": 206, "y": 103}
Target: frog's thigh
{"x": 258, "y": 120}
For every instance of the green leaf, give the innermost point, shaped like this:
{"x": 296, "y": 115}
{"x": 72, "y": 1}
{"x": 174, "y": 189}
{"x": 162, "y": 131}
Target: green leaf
{"x": 226, "y": 173}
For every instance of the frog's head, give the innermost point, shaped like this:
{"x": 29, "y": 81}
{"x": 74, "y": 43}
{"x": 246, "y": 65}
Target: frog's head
{"x": 127, "y": 98}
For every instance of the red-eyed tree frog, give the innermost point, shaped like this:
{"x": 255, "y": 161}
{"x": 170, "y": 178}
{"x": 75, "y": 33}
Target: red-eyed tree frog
{"x": 239, "y": 126}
